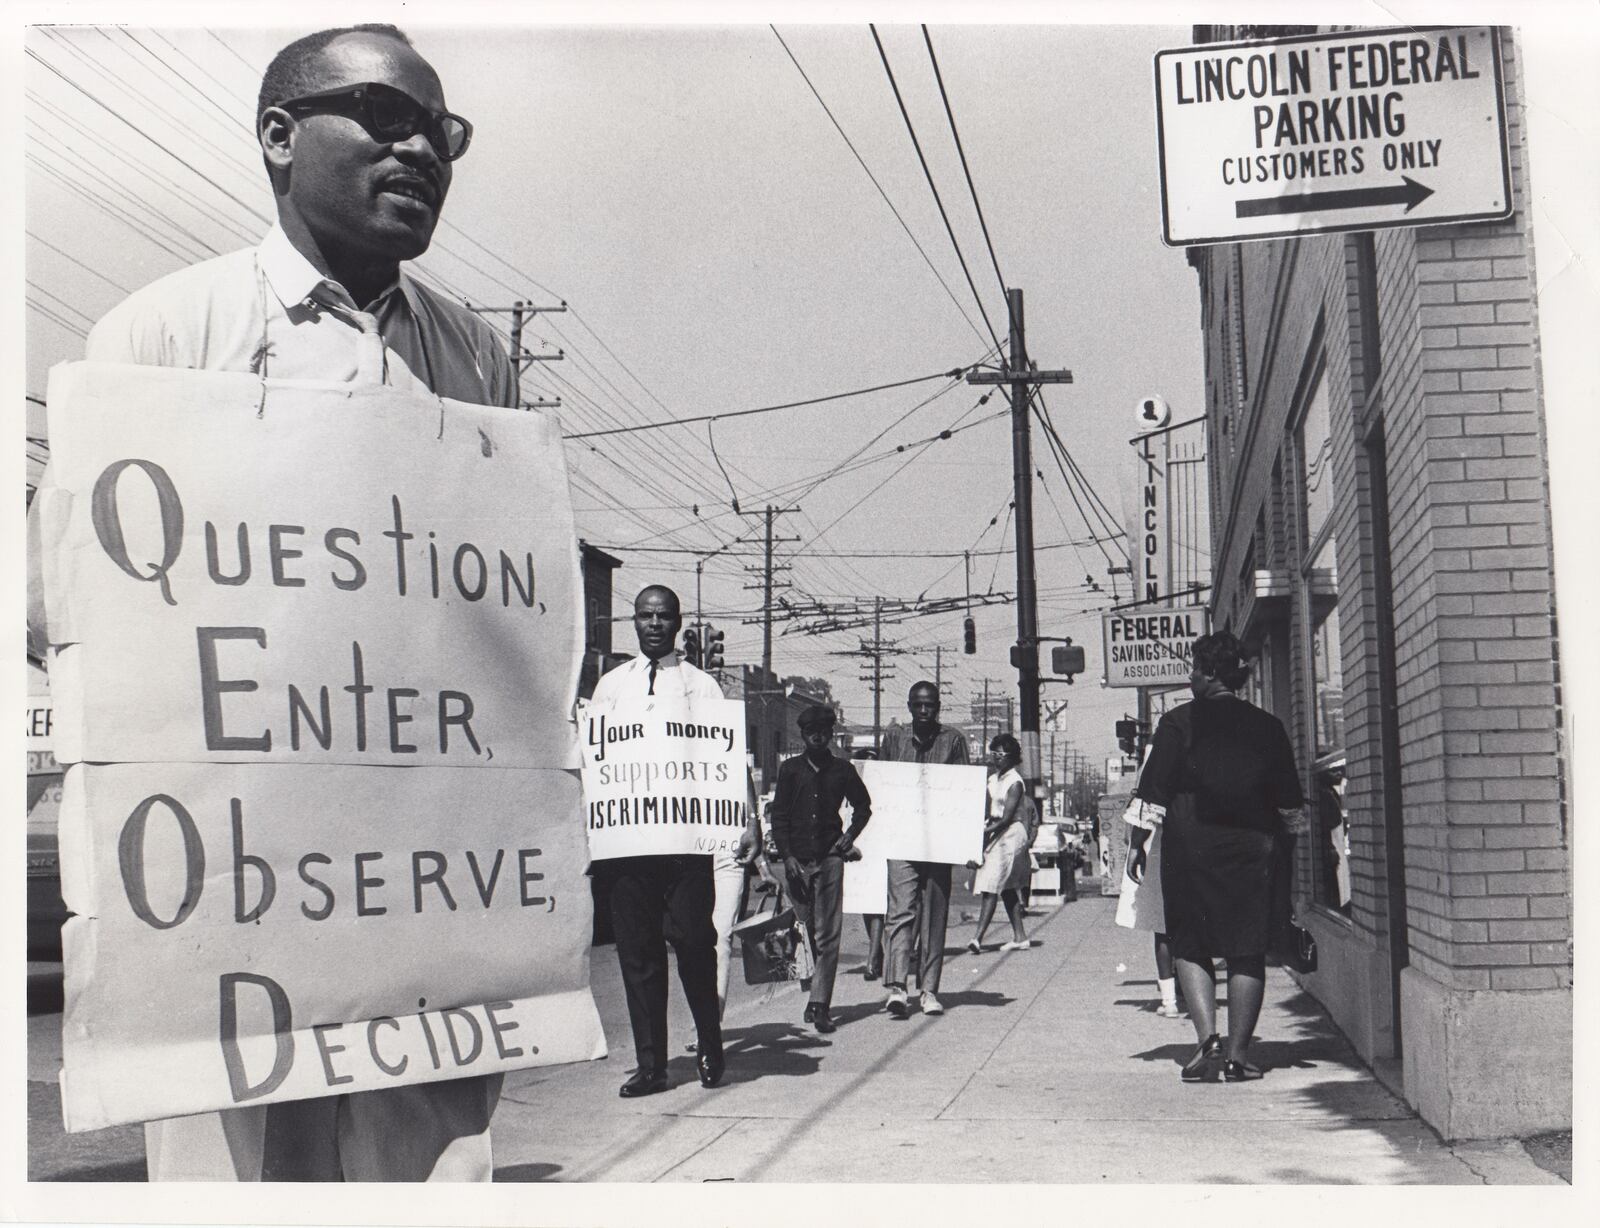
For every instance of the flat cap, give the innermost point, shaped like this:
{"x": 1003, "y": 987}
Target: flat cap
{"x": 817, "y": 716}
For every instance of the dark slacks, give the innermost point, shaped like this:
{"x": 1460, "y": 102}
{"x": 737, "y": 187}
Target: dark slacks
{"x": 919, "y": 907}
{"x": 654, "y": 901}
{"x": 818, "y": 898}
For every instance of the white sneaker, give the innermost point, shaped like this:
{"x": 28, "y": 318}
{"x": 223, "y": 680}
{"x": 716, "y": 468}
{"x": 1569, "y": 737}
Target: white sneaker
{"x": 1016, "y": 946}
{"x": 897, "y": 1004}
{"x": 1170, "y": 1010}
{"x": 931, "y": 1004}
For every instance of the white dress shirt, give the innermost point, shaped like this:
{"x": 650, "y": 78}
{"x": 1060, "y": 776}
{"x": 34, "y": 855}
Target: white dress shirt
{"x": 269, "y": 311}
{"x": 673, "y": 677}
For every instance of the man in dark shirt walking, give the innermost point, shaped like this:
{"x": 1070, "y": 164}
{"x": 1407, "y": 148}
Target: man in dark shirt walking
{"x": 811, "y": 840}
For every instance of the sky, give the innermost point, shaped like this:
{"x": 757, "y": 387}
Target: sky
{"x": 722, "y": 247}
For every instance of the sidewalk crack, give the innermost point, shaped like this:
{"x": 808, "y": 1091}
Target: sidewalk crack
{"x": 715, "y": 1138}
{"x": 1005, "y": 1035}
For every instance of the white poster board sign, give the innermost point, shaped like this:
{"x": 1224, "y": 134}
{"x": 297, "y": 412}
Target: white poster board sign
{"x": 663, "y": 775}
{"x": 920, "y": 812}
{"x": 312, "y": 653}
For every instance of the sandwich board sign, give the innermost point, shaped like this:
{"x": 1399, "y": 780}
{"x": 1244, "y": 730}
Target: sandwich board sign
{"x": 1358, "y": 130}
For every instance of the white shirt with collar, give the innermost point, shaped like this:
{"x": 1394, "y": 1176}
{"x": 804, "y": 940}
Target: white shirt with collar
{"x": 269, "y": 311}
{"x": 674, "y": 677}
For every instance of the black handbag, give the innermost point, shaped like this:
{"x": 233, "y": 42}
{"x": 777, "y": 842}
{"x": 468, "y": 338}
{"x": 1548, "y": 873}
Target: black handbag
{"x": 771, "y": 944}
{"x": 1293, "y": 945}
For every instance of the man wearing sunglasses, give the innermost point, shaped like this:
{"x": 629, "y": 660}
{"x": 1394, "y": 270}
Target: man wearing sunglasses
{"x": 359, "y": 149}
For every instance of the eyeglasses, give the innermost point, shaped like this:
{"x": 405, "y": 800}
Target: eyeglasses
{"x": 389, "y": 114}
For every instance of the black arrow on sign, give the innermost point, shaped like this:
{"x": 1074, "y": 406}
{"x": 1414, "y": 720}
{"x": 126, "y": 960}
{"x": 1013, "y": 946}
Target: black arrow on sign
{"x": 1410, "y": 193}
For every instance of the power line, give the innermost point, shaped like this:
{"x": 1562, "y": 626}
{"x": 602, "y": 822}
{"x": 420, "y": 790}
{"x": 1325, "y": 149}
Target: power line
{"x": 965, "y": 169}
{"x": 840, "y": 129}
{"x": 928, "y": 175}
{"x": 184, "y": 162}
{"x": 766, "y": 409}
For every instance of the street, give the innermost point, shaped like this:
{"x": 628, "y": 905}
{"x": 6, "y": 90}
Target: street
{"x": 1051, "y": 1066}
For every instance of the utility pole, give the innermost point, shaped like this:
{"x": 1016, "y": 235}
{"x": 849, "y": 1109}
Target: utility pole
{"x": 521, "y": 358}
{"x": 877, "y": 673}
{"x": 1021, "y": 375}
{"x": 768, "y": 679}
{"x": 876, "y": 648}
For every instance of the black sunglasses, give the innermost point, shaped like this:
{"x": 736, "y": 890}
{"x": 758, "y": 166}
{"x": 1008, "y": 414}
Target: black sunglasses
{"x": 389, "y": 114}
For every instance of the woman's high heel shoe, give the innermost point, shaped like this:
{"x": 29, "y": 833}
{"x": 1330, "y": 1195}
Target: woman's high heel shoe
{"x": 1206, "y": 1063}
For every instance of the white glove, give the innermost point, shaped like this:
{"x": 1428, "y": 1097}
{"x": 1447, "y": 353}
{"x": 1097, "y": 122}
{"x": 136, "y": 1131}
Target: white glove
{"x": 1141, "y": 813}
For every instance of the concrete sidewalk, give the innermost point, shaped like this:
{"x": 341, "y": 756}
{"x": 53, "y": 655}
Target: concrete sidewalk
{"x": 1049, "y": 1066}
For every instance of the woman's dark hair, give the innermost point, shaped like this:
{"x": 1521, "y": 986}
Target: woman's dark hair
{"x": 1221, "y": 656}
{"x": 1006, "y": 744}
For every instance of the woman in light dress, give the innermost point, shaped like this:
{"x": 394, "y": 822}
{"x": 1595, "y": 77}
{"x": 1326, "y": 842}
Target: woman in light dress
{"x": 1006, "y": 837}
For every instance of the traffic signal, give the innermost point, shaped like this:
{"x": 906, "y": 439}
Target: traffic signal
{"x": 1128, "y": 735}
{"x": 1067, "y": 659}
{"x": 969, "y": 630}
{"x": 713, "y": 649}
{"x": 691, "y": 646}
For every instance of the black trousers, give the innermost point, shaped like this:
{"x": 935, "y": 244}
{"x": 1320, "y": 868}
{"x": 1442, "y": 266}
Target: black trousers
{"x": 654, "y": 901}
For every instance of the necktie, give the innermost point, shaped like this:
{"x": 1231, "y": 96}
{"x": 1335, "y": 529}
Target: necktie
{"x": 369, "y": 341}
{"x": 652, "y": 689}
{"x": 369, "y": 348}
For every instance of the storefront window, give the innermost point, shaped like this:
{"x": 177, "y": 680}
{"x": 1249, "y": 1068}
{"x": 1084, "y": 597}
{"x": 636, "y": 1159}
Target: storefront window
{"x": 1327, "y": 676}
{"x": 1320, "y": 576}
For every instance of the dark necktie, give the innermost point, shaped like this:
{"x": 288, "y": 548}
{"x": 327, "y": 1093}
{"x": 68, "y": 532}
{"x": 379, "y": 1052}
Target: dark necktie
{"x": 652, "y": 689}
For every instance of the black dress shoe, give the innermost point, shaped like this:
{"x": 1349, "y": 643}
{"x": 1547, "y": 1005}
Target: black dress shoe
{"x": 871, "y": 973}
{"x": 1240, "y": 1071}
{"x": 711, "y": 1067}
{"x": 1206, "y": 1064}
{"x": 823, "y": 1020}
{"x": 811, "y": 1013}
{"x": 644, "y": 1083}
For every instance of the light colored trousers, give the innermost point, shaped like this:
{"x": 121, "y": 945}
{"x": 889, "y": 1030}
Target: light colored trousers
{"x": 919, "y": 907}
{"x": 728, "y": 876}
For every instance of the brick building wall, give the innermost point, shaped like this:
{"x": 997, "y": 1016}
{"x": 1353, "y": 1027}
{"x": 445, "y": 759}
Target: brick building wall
{"x": 1424, "y": 343}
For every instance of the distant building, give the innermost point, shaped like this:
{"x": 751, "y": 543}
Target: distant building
{"x": 1382, "y": 537}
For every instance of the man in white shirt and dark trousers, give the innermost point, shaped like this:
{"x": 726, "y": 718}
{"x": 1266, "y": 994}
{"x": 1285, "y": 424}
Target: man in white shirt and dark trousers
{"x": 358, "y": 146}
{"x": 660, "y": 899}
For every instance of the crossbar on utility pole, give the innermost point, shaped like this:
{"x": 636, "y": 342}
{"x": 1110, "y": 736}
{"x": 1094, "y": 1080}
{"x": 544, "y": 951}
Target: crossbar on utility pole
{"x": 1020, "y": 375}
{"x": 520, "y": 358}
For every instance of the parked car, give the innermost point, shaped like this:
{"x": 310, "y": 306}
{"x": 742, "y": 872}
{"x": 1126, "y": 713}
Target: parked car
{"x": 46, "y": 909}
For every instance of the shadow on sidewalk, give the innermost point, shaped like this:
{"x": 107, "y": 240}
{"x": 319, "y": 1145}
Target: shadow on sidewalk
{"x": 770, "y": 1049}
{"x": 1270, "y": 1055}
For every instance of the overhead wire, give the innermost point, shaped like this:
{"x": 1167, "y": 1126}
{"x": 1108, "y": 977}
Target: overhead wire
{"x": 965, "y": 169}
{"x": 933, "y": 187}
{"x": 764, "y": 409}
{"x": 839, "y": 128}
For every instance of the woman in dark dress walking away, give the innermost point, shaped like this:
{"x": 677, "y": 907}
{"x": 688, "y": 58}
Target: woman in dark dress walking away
{"x": 1224, "y": 772}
